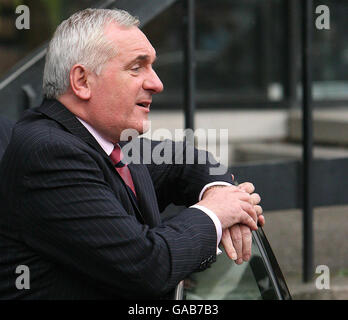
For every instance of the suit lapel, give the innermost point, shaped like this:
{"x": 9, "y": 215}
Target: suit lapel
{"x": 142, "y": 181}
{"x": 146, "y": 194}
{"x": 144, "y": 188}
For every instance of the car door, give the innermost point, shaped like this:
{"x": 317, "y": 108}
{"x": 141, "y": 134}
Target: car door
{"x": 258, "y": 279}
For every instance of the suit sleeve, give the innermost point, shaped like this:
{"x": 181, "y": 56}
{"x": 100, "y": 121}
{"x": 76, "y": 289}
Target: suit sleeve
{"x": 71, "y": 216}
{"x": 181, "y": 173}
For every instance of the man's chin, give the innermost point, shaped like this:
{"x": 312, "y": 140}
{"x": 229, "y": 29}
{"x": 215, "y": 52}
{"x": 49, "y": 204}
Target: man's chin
{"x": 146, "y": 126}
{"x": 131, "y": 133}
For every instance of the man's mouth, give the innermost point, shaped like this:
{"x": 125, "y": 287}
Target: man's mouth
{"x": 145, "y": 105}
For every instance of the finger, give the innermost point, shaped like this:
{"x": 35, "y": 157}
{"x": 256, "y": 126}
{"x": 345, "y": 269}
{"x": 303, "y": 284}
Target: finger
{"x": 258, "y": 210}
{"x": 247, "y": 186}
{"x": 249, "y": 209}
{"x": 246, "y": 219}
{"x": 261, "y": 221}
{"x": 260, "y": 217}
{"x": 232, "y": 177}
{"x": 255, "y": 198}
{"x": 247, "y": 242}
{"x": 236, "y": 236}
{"x": 226, "y": 241}
{"x": 242, "y": 195}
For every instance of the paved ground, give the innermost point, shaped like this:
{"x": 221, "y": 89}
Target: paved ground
{"x": 284, "y": 232}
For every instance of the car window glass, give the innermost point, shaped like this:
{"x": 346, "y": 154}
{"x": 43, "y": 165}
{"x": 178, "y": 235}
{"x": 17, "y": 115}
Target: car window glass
{"x": 225, "y": 280}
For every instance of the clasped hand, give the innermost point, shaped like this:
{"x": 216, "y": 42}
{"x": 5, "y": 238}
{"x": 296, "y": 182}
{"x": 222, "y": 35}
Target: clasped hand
{"x": 238, "y": 210}
{"x": 237, "y": 239}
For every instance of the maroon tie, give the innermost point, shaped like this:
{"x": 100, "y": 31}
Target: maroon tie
{"x": 116, "y": 157}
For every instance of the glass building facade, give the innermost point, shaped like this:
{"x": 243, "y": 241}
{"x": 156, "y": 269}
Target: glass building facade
{"x": 247, "y": 51}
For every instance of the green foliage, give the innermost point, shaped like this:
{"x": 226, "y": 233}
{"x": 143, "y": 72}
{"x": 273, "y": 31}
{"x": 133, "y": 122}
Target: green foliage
{"x": 17, "y": 3}
{"x": 54, "y": 11}
{"x": 343, "y": 272}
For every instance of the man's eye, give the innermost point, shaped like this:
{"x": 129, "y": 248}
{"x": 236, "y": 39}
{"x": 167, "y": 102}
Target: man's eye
{"x": 136, "y": 68}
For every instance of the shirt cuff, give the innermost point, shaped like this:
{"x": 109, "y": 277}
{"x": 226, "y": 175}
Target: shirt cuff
{"x": 215, "y": 183}
{"x": 217, "y": 224}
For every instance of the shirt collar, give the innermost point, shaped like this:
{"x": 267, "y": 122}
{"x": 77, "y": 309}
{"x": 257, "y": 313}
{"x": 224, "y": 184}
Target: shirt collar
{"x": 106, "y": 145}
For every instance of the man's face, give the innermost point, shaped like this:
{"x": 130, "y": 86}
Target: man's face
{"x": 121, "y": 95}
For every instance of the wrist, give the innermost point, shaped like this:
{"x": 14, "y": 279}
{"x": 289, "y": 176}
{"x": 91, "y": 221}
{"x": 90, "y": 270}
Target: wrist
{"x": 211, "y": 188}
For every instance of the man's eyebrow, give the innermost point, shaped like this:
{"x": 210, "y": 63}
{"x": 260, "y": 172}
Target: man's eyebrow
{"x": 141, "y": 58}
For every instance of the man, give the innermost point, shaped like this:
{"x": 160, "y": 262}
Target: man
{"x": 84, "y": 223}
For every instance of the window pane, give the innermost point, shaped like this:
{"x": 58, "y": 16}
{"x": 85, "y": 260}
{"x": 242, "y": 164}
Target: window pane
{"x": 226, "y": 280}
{"x": 239, "y": 51}
{"x": 330, "y": 53}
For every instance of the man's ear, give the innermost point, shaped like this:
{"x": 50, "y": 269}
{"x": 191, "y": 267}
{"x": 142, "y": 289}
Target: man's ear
{"x": 79, "y": 81}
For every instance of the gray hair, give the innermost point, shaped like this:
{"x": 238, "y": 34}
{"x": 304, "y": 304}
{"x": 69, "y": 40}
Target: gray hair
{"x": 80, "y": 39}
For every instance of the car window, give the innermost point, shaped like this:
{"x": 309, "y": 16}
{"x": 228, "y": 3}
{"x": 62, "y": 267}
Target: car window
{"x": 225, "y": 280}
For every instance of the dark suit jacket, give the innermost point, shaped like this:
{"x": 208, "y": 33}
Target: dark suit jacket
{"x": 5, "y": 133}
{"x": 67, "y": 215}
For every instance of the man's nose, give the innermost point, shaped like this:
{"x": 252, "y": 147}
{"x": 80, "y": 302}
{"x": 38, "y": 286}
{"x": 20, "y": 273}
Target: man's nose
{"x": 153, "y": 82}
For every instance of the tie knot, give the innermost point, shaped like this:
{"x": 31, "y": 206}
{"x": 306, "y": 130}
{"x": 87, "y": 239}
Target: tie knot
{"x": 116, "y": 156}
